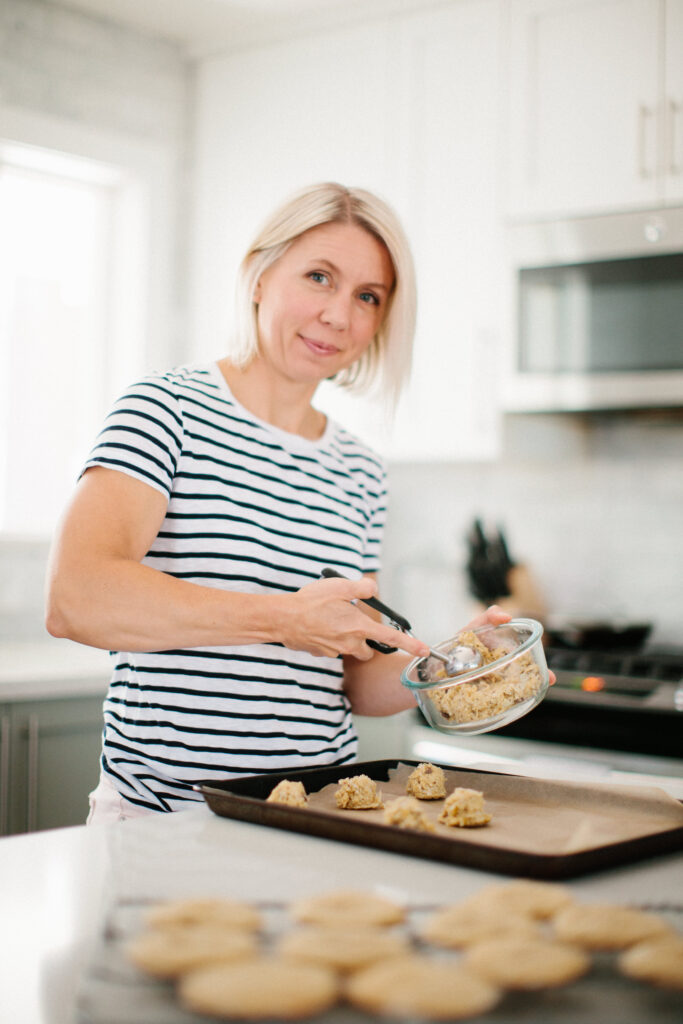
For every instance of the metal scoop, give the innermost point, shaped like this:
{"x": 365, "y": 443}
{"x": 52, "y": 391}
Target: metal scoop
{"x": 459, "y": 659}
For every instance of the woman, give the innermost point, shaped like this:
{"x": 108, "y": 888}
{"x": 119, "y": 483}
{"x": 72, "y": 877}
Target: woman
{"x": 213, "y": 498}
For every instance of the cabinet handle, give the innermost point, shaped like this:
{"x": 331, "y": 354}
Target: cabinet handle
{"x": 645, "y": 116}
{"x": 674, "y": 110}
{"x": 32, "y": 800}
{"x": 4, "y": 774}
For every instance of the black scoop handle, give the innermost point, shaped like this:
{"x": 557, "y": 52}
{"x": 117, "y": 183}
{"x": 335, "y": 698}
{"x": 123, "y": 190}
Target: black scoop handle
{"x": 398, "y": 621}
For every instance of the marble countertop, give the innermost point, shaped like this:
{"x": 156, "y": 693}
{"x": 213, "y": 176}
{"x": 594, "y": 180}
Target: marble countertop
{"x": 58, "y": 886}
{"x": 52, "y": 668}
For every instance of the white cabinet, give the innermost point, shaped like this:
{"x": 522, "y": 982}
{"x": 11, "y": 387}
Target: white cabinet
{"x": 593, "y": 105}
{"x": 407, "y": 107}
{"x": 673, "y": 102}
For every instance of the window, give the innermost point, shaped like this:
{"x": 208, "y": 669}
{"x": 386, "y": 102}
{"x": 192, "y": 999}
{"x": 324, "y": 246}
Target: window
{"x": 67, "y": 226}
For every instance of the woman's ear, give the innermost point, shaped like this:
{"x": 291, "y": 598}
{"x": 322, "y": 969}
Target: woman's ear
{"x": 256, "y": 297}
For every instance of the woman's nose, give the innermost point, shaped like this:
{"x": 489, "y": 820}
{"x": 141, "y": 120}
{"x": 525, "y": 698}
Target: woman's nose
{"x": 336, "y": 312}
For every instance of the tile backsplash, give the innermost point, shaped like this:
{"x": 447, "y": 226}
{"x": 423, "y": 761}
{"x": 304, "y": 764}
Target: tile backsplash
{"x": 591, "y": 506}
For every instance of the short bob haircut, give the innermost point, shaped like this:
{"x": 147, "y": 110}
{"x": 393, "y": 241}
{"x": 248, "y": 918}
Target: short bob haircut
{"x": 386, "y": 362}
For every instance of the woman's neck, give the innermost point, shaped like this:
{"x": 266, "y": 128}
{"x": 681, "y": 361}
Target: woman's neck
{"x": 284, "y": 404}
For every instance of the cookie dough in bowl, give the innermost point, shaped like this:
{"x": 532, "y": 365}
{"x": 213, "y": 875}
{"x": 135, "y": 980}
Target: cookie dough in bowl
{"x": 511, "y": 679}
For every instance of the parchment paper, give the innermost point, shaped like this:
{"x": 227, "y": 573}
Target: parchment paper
{"x": 531, "y": 815}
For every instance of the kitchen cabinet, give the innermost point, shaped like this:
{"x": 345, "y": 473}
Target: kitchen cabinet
{"x": 405, "y": 106}
{"x": 445, "y": 181}
{"x": 594, "y": 105}
{"x": 49, "y": 761}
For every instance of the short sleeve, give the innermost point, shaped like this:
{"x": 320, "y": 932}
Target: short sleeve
{"x": 143, "y": 434}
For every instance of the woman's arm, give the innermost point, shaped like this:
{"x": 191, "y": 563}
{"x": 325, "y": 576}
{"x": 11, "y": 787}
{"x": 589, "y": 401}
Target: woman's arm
{"x": 99, "y": 593}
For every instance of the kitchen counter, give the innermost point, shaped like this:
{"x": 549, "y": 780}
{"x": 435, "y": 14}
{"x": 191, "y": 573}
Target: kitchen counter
{"x": 52, "y": 668}
{"x": 57, "y": 887}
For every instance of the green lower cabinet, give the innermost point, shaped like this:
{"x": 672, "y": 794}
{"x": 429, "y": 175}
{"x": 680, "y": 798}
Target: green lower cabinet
{"x": 49, "y": 762}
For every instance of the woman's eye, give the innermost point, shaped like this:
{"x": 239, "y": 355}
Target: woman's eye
{"x": 318, "y": 276}
{"x": 370, "y": 298}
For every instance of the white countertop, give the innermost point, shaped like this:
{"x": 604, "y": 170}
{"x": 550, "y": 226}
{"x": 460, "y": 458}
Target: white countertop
{"x": 52, "y": 668}
{"x": 56, "y": 887}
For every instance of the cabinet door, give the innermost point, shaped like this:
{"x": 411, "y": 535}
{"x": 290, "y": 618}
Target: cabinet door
{"x": 55, "y": 750}
{"x": 444, "y": 185}
{"x": 5, "y": 748}
{"x": 583, "y": 105}
{"x": 673, "y": 101}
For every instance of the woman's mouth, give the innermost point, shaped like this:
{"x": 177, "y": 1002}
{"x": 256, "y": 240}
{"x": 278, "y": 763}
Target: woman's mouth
{"x": 320, "y": 348}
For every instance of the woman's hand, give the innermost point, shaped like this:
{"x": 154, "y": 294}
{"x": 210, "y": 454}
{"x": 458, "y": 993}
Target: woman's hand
{"x": 323, "y": 621}
{"x": 495, "y": 616}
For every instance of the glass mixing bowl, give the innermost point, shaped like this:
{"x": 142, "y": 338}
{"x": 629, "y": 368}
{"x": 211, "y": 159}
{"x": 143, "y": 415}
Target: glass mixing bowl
{"x": 511, "y": 679}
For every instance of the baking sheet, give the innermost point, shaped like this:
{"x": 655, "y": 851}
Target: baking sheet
{"x": 112, "y": 991}
{"x": 539, "y": 829}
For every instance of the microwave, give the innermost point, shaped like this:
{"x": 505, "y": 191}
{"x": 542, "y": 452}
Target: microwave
{"x": 596, "y": 313}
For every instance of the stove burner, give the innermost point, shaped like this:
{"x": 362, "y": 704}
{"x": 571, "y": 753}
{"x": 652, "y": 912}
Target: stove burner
{"x": 615, "y": 700}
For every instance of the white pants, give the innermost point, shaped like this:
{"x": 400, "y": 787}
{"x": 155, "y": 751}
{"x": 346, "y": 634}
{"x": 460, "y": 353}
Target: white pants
{"x": 107, "y": 804}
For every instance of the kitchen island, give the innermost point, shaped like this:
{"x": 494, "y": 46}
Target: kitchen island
{"x": 59, "y": 886}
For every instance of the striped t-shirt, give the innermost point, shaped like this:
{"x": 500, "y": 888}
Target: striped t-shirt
{"x": 251, "y": 509}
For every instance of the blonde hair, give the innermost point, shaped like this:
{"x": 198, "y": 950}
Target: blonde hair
{"x": 386, "y": 362}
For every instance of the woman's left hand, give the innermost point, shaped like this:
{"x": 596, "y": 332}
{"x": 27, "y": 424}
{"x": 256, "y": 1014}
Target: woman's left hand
{"x": 496, "y": 616}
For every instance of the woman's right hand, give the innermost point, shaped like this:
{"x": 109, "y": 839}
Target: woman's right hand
{"x": 323, "y": 621}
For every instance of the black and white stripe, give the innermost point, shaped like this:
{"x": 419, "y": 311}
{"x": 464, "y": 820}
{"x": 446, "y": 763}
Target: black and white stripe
{"x": 251, "y": 509}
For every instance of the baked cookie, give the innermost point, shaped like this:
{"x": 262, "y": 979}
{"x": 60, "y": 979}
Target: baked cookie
{"x": 347, "y": 908}
{"x": 427, "y": 782}
{"x": 343, "y": 949}
{"x": 418, "y": 986}
{"x": 286, "y": 792}
{"x": 460, "y": 926}
{"x": 267, "y": 988}
{"x": 170, "y": 951}
{"x": 228, "y": 913}
{"x": 518, "y": 962}
{"x": 540, "y": 900}
{"x": 464, "y": 808}
{"x": 658, "y": 960}
{"x": 606, "y": 927}
{"x": 358, "y": 793}
{"x": 405, "y": 812}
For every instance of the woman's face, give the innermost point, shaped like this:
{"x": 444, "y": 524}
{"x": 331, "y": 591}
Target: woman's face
{"x": 321, "y": 304}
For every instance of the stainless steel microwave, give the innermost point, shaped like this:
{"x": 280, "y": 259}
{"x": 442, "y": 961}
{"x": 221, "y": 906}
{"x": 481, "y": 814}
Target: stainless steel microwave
{"x": 597, "y": 313}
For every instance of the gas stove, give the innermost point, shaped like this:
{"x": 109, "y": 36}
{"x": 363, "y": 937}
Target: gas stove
{"x": 613, "y": 700}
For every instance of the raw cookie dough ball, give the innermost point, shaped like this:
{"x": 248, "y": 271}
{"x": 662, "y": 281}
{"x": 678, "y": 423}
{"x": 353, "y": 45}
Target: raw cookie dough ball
{"x": 228, "y": 913}
{"x": 358, "y": 793}
{"x": 286, "y": 792}
{"x": 418, "y": 986}
{"x": 405, "y": 812}
{"x": 522, "y": 963}
{"x": 170, "y": 951}
{"x": 464, "y": 808}
{"x": 267, "y": 988}
{"x": 427, "y": 782}
{"x": 348, "y": 908}
{"x": 658, "y": 960}
{"x": 537, "y": 899}
{"x": 343, "y": 949}
{"x": 604, "y": 926}
{"x": 460, "y": 926}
